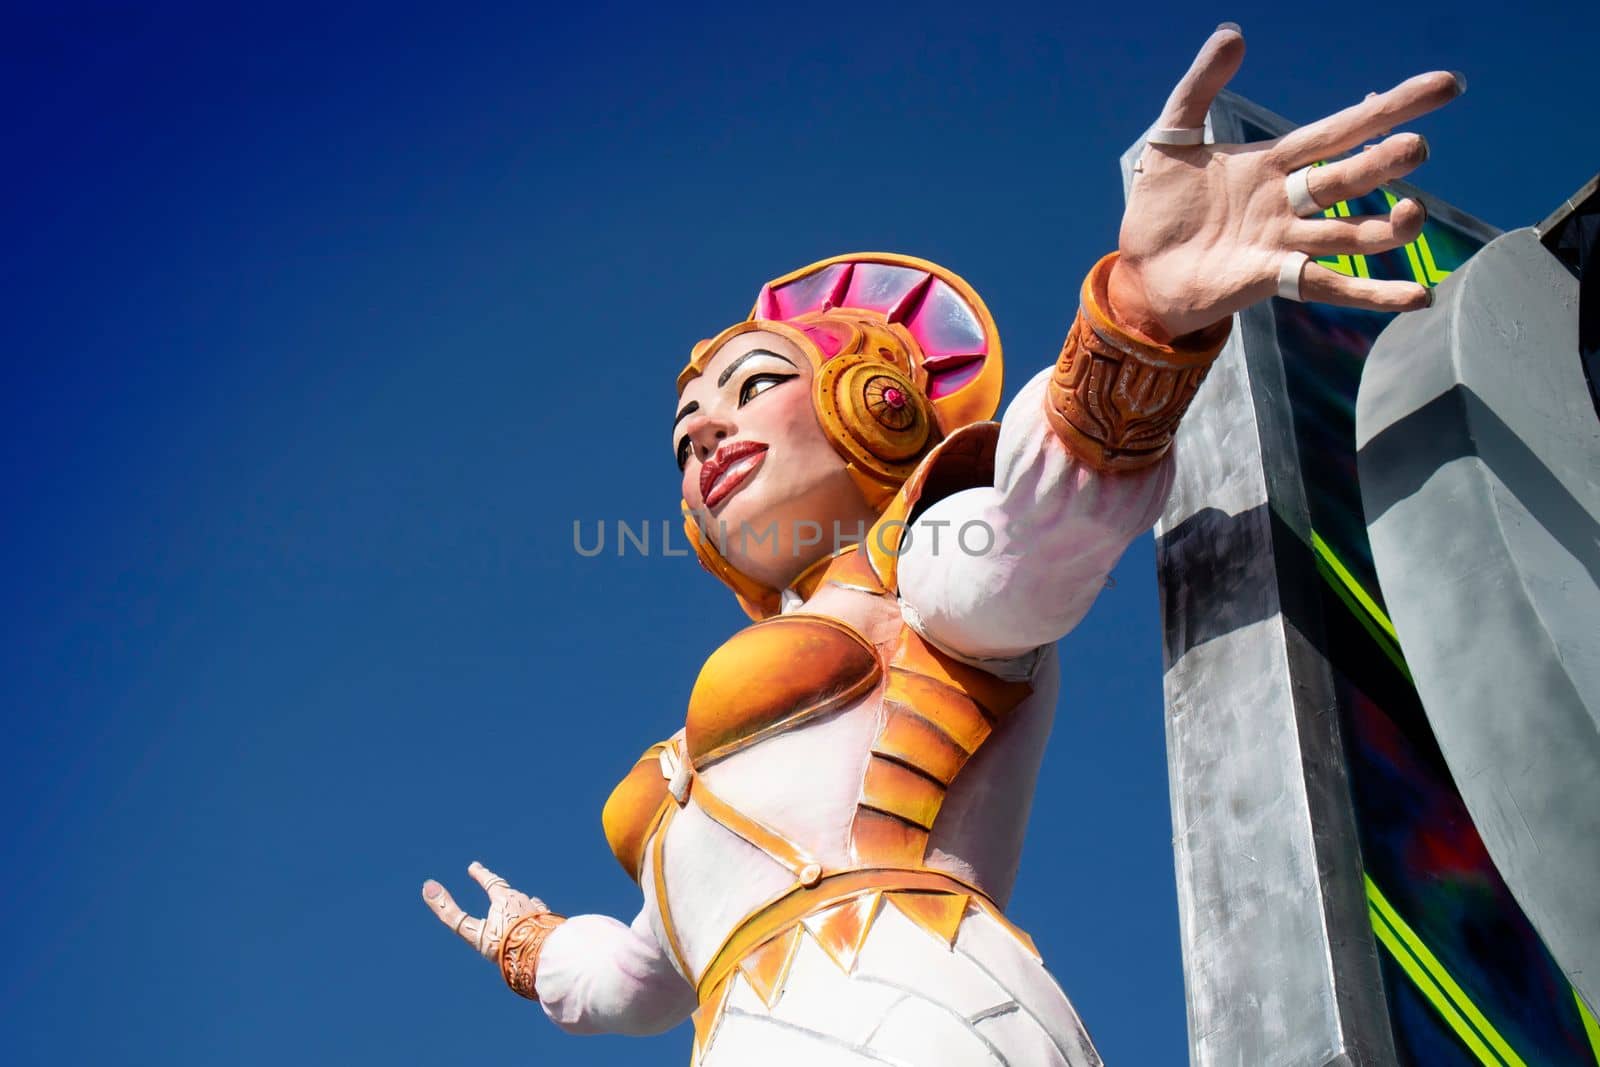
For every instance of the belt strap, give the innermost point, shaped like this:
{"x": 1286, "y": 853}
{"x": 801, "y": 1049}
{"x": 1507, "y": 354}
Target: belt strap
{"x": 778, "y": 915}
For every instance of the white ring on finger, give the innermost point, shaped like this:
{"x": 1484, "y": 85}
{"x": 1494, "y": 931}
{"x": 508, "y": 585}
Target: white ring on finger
{"x": 1298, "y": 187}
{"x": 493, "y": 882}
{"x": 1175, "y": 135}
{"x": 1290, "y": 271}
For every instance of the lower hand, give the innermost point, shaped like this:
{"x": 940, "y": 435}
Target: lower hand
{"x": 506, "y": 906}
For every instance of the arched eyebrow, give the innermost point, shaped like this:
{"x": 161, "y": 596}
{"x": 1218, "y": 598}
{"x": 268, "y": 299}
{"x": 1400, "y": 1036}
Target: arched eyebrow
{"x": 727, "y": 372}
{"x": 722, "y": 379}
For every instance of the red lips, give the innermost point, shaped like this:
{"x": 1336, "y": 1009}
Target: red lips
{"x": 713, "y": 486}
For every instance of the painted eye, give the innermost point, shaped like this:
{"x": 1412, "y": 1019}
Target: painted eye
{"x": 683, "y": 453}
{"x": 757, "y": 384}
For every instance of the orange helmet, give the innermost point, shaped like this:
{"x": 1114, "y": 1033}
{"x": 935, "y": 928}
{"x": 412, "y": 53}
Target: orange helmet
{"x": 904, "y": 353}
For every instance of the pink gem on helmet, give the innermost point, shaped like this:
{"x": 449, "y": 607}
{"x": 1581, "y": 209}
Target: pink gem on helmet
{"x": 894, "y": 398}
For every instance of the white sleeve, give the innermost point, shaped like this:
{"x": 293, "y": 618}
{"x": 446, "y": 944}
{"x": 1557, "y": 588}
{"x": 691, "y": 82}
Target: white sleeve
{"x": 597, "y": 976}
{"x": 994, "y": 572}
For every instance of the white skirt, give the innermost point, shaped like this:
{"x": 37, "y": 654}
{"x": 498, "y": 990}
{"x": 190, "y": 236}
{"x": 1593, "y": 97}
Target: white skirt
{"x": 909, "y": 1000}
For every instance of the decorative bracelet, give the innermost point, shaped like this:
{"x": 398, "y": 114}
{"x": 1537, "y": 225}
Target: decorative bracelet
{"x": 519, "y": 952}
{"x": 1115, "y": 398}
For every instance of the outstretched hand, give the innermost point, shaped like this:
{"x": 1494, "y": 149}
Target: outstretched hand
{"x": 506, "y": 906}
{"x": 1210, "y": 228}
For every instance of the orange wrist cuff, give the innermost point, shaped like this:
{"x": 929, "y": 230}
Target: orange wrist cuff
{"x": 1115, "y": 397}
{"x": 519, "y": 952}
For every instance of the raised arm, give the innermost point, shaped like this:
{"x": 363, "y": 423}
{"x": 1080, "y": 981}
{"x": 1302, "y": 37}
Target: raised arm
{"x": 591, "y": 973}
{"x": 1082, "y": 465}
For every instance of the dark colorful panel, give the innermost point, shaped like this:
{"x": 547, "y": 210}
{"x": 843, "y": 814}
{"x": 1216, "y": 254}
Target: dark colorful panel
{"x": 1468, "y": 980}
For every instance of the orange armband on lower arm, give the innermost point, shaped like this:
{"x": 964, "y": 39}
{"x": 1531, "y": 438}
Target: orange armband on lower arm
{"x": 1115, "y": 397}
{"x": 519, "y": 952}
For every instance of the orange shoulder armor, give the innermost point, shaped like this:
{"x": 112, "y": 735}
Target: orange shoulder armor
{"x": 964, "y": 460}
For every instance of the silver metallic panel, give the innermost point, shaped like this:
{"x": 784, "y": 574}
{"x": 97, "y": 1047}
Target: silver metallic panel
{"x": 1480, "y": 474}
{"x": 1280, "y": 963}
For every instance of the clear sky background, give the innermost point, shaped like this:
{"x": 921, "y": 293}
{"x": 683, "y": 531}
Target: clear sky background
{"x": 321, "y": 326}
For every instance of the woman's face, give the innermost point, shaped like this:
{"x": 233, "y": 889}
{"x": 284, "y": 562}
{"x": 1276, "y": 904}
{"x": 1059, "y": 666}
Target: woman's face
{"x": 758, "y": 472}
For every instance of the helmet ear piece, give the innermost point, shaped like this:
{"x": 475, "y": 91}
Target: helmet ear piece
{"x": 875, "y": 415}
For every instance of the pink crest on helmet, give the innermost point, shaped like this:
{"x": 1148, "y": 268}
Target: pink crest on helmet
{"x": 944, "y": 325}
{"x": 951, "y": 373}
{"x": 881, "y": 286}
{"x": 828, "y": 340}
{"x": 804, "y": 294}
{"x": 767, "y": 305}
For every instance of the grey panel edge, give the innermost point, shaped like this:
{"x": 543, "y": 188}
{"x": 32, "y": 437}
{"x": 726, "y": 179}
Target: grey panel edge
{"x": 1349, "y": 1022}
{"x": 1477, "y": 458}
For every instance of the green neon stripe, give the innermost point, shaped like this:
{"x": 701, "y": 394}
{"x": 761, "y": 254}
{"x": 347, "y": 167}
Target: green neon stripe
{"x": 1324, "y": 553}
{"x": 1341, "y": 262}
{"x": 1435, "y": 275}
{"x": 1590, "y": 1027}
{"x": 1423, "y": 268}
{"x": 1437, "y": 971}
{"x": 1417, "y": 273}
{"x": 1425, "y": 985}
{"x": 1357, "y": 263}
{"x": 1361, "y": 605}
{"x": 1379, "y": 638}
{"x": 1417, "y": 270}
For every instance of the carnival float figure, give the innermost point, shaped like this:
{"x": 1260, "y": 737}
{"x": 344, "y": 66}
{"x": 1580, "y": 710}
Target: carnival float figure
{"x": 826, "y": 847}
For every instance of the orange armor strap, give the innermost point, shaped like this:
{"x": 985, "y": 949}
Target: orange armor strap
{"x": 658, "y": 875}
{"x": 519, "y": 952}
{"x": 938, "y": 712}
{"x": 800, "y": 863}
{"x": 1115, "y": 398}
{"x": 849, "y": 568}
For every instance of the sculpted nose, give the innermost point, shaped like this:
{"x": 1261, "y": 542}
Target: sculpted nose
{"x": 705, "y": 432}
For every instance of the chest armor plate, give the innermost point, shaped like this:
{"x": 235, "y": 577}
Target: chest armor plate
{"x": 773, "y": 676}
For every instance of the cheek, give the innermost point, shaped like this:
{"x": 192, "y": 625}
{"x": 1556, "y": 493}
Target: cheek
{"x": 786, "y": 421}
{"x": 690, "y": 487}
{"x": 793, "y": 425}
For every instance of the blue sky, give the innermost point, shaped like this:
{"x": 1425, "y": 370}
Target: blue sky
{"x": 323, "y": 324}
